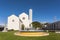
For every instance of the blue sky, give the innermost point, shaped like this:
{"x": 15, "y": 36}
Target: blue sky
{"x": 43, "y": 10}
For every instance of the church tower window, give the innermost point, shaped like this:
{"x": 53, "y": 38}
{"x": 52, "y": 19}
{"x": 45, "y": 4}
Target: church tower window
{"x": 12, "y": 20}
{"x": 23, "y": 18}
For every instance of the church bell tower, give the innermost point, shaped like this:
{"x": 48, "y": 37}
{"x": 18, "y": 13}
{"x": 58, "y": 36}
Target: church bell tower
{"x": 30, "y": 17}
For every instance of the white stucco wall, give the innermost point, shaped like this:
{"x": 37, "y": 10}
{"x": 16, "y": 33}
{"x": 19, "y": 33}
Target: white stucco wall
{"x": 13, "y": 24}
{"x": 16, "y": 25}
{"x": 25, "y": 21}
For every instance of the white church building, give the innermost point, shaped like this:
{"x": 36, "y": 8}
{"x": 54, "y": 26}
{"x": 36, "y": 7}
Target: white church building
{"x": 16, "y": 23}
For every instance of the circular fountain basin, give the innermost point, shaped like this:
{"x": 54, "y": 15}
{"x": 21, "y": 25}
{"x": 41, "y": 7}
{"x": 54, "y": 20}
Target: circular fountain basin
{"x": 31, "y": 33}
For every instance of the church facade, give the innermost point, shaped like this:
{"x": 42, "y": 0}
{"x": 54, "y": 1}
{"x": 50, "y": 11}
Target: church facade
{"x": 16, "y": 23}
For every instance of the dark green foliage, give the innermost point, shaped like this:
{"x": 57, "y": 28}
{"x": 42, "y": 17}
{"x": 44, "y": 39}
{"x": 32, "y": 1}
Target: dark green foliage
{"x": 36, "y": 24}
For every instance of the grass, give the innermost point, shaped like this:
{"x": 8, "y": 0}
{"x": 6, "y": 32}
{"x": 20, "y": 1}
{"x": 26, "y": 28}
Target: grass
{"x": 11, "y": 36}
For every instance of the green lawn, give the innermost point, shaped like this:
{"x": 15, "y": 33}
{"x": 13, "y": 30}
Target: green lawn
{"x": 11, "y": 36}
